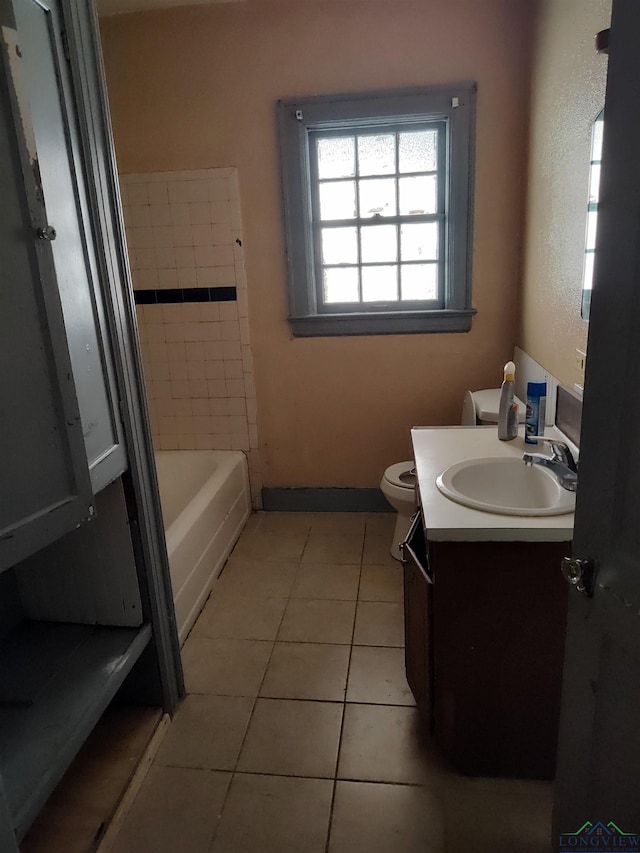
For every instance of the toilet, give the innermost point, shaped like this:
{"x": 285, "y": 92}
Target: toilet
{"x": 398, "y": 485}
{"x": 480, "y": 408}
{"x": 399, "y": 480}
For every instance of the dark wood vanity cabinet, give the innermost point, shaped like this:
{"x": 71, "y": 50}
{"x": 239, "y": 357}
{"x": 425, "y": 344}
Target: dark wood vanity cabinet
{"x": 484, "y": 639}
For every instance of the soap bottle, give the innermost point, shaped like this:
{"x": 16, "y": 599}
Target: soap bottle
{"x": 536, "y": 411}
{"x": 508, "y": 411}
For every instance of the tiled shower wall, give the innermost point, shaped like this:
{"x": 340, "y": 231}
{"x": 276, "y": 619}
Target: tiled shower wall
{"x": 185, "y": 249}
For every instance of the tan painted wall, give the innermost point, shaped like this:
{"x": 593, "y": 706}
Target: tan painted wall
{"x": 568, "y": 84}
{"x": 196, "y": 87}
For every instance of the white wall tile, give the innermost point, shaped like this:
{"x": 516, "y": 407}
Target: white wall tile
{"x": 160, "y": 214}
{"x": 167, "y": 278}
{"x": 210, "y": 314}
{"x": 182, "y": 229}
{"x": 157, "y": 193}
{"x": 221, "y": 212}
{"x": 200, "y": 213}
{"x": 218, "y": 189}
{"x": 186, "y": 276}
{"x": 217, "y": 388}
{"x": 177, "y": 191}
{"x": 139, "y": 215}
{"x": 198, "y": 191}
{"x": 230, "y": 330}
{"x": 185, "y": 257}
{"x": 222, "y": 235}
{"x": 225, "y": 276}
{"x": 182, "y": 237}
{"x": 138, "y": 194}
{"x": 231, "y": 350}
{"x": 180, "y": 214}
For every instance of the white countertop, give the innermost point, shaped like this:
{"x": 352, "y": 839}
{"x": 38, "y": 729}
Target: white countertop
{"x": 436, "y": 448}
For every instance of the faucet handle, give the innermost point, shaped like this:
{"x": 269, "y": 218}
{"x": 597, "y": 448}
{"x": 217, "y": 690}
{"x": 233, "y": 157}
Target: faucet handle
{"x": 559, "y": 448}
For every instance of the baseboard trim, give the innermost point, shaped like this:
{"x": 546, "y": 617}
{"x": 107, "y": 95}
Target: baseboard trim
{"x": 324, "y": 500}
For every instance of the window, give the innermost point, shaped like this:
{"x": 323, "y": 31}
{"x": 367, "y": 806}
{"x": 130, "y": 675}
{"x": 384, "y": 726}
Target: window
{"x": 378, "y": 211}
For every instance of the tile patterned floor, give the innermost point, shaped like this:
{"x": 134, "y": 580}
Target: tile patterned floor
{"x": 299, "y": 732}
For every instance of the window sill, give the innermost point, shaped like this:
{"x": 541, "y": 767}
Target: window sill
{"x": 391, "y": 323}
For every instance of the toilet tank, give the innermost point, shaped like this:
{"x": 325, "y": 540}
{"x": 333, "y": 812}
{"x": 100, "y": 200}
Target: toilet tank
{"x": 481, "y": 407}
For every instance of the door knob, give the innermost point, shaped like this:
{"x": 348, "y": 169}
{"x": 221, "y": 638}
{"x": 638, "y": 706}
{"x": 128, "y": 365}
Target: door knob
{"x": 47, "y": 233}
{"x": 578, "y": 573}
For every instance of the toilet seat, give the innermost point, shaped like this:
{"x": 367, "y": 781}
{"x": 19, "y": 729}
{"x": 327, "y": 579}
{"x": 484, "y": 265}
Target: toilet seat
{"x": 400, "y": 476}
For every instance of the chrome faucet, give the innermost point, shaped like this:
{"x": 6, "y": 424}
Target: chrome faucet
{"x": 561, "y": 462}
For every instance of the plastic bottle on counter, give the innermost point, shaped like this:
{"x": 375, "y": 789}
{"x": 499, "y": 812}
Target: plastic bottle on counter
{"x": 508, "y": 410}
{"x": 536, "y": 411}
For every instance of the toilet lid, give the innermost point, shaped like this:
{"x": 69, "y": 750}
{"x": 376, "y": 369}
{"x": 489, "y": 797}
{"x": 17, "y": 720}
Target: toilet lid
{"x": 400, "y": 474}
{"x": 487, "y": 403}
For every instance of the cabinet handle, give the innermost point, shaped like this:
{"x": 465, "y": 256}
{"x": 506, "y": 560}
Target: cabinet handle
{"x": 407, "y": 547}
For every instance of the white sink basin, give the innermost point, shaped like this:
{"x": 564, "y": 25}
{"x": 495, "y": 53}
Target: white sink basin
{"x": 507, "y": 486}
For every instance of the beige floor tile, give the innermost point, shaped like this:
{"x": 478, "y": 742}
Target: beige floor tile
{"x": 322, "y": 580}
{"x": 381, "y": 583}
{"x": 253, "y": 578}
{"x": 74, "y": 836}
{"x": 177, "y": 809}
{"x": 252, "y": 524}
{"x": 284, "y": 523}
{"x": 307, "y": 671}
{"x": 498, "y": 816}
{"x": 377, "y": 551}
{"x": 273, "y": 814}
{"x": 225, "y": 667}
{"x": 382, "y": 818}
{"x": 270, "y": 545}
{"x": 326, "y": 547}
{"x": 206, "y": 732}
{"x": 292, "y": 738}
{"x": 309, "y": 620}
{"x": 341, "y": 523}
{"x": 380, "y": 524}
{"x": 382, "y": 743}
{"x": 240, "y": 617}
{"x": 377, "y": 675}
{"x": 379, "y": 623}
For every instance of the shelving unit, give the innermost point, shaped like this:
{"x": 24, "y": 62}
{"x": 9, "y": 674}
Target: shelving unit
{"x": 84, "y": 575}
{"x": 50, "y": 702}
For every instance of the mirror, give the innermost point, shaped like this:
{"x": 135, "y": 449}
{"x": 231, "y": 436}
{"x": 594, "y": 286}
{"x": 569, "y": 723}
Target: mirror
{"x": 592, "y": 213}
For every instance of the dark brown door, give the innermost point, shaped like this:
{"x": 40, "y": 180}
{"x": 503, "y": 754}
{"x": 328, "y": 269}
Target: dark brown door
{"x": 598, "y": 770}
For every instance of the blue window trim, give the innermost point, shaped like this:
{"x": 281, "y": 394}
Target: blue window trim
{"x": 300, "y": 118}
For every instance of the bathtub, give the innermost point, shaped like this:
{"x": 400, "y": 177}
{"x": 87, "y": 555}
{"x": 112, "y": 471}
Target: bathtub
{"x": 205, "y": 501}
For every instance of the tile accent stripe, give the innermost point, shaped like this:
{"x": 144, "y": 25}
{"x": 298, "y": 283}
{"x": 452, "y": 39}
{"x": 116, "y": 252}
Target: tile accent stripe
{"x": 167, "y": 296}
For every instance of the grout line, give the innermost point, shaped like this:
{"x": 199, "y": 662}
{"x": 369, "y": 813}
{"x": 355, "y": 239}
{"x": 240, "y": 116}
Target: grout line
{"x": 253, "y": 707}
{"x": 264, "y": 675}
{"x": 302, "y": 699}
{"x": 344, "y": 703}
{"x": 420, "y": 785}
